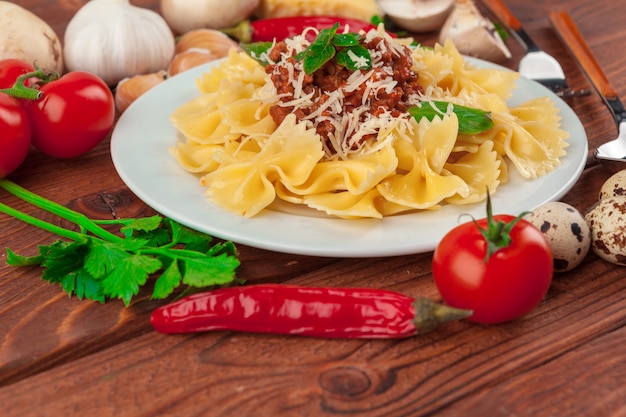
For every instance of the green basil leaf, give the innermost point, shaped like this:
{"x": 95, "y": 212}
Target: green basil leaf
{"x": 316, "y": 56}
{"x": 363, "y": 58}
{"x": 346, "y": 39}
{"x": 471, "y": 121}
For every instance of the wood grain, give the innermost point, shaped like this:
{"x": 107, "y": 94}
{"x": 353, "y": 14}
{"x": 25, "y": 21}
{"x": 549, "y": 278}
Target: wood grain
{"x": 61, "y": 356}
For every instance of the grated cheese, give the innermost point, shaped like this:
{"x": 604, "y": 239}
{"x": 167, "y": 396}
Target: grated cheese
{"x": 352, "y": 129}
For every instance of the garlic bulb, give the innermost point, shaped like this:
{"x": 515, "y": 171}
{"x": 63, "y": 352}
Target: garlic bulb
{"x": 115, "y": 40}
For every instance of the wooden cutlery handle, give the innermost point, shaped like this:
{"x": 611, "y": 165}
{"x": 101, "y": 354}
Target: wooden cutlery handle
{"x": 503, "y": 14}
{"x": 573, "y": 39}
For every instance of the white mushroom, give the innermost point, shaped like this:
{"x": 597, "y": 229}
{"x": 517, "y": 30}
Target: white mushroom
{"x": 24, "y": 35}
{"x": 473, "y": 34}
{"x": 417, "y": 15}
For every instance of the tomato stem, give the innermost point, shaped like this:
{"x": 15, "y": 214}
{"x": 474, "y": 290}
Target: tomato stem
{"x": 497, "y": 234}
{"x": 21, "y": 91}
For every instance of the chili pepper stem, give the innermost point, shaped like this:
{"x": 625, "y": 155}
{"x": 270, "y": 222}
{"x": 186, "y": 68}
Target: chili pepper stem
{"x": 242, "y": 31}
{"x": 429, "y": 314}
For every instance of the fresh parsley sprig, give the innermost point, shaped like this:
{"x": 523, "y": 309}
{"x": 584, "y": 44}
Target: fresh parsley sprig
{"x": 96, "y": 264}
{"x": 471, "y": 121}
{"x": 328, "y": 43}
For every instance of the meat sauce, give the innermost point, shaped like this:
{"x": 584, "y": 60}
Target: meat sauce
{"x": 333, "y": 76}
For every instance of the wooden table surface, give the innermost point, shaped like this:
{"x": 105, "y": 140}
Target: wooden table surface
{"x": 60, "y": 356}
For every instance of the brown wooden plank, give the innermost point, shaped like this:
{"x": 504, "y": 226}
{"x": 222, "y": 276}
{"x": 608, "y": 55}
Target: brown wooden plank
{"x": 224, "y": 373}
{"x": 62, "y": 356}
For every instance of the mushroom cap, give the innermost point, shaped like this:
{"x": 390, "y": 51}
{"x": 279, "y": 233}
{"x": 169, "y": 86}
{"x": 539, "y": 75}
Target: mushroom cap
{"x": 417, "y": 15}
{"x": 473, "y": 34}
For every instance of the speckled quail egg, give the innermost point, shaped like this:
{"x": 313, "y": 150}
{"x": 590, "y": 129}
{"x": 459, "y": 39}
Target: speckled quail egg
{"x": 607, "y": 221}
{"x": 614, "y": 186}
{"x": 566, "y": 231}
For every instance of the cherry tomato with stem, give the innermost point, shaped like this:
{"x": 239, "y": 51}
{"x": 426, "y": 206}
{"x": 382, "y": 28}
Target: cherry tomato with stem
{"x": 500, "y": 267}
{"x": 73, "y": 114}
{"x": 15, "y": 134}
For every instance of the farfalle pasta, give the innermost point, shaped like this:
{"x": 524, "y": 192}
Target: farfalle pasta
{"x": 345, "y": 144}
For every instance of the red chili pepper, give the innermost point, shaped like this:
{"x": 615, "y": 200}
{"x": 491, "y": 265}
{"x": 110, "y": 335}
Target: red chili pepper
{"x": 280, "y": 28}
{"x": 307, "y": 311}
{"x": 266, "y": 30}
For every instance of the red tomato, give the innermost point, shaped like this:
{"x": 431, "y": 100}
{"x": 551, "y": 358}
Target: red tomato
{"x": 76, "y": 113}
{"x": 11, "y": 69}
{"x": 15, "y": 134}
{"x": 507, "y": 285}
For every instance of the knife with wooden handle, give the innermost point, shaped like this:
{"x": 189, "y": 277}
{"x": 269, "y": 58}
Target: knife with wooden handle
{"x": 611, "y": 154}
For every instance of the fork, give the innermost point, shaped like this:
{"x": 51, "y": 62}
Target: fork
{"x": 536, "y": 64}
{"x": 611, "y": 154}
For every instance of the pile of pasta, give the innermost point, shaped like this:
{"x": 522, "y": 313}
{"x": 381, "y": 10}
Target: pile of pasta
{"x": 246, "y": 162}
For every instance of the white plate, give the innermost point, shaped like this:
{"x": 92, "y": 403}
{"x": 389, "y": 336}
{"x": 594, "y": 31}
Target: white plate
{"x": 143, "y": 135}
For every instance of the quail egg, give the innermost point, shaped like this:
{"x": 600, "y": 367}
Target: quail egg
{"x": 607, "y": 221}
{"x": 566, "y": 231}
{"x": 614, "y": 186}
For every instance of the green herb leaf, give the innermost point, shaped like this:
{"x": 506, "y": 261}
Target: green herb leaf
{"x": 501, "y": 31}
{"x": 471, "y": 121}
{"x": 377, "y": 19}
{"x": 19, "y": 260}
{"x": 168, "y": 281}
{"x": 62, "y": 258}
{"x": 325, "y": 36}
{"x": 346, "y": 39}
{"x": 329, "y": 44}
{"x": 256, "y": 50}
{"x": 83, "y": 285}
{"x": 99, "y": 265}
{"x": 316, "y": 56}
{"x": 103, "y": 257}
{"x": 130, "y": 273}
{"x": 146, "y": 224}
{"x": 355, "y": 58}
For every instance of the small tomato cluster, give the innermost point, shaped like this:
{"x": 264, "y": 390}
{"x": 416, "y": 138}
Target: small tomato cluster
{"x": 61, "y": 116}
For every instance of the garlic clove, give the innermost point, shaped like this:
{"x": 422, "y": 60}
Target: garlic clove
{"x": 190, "y": 58}
{"x": 473, "y": 34}
{"x": 417, "y": 15}
{"x": 215, "y": 41}
{"x": 115, "y": 40}
{"x": 130, "y": 89}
